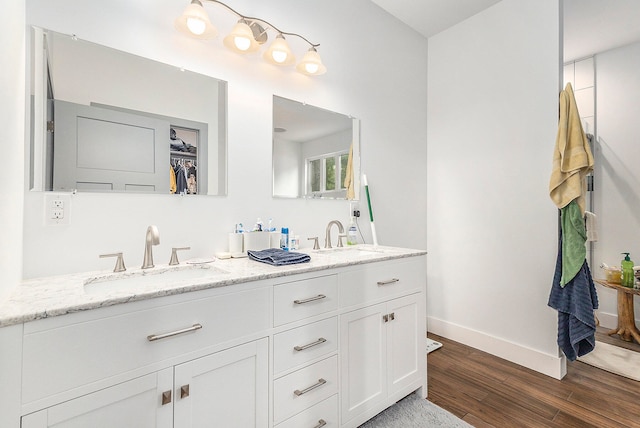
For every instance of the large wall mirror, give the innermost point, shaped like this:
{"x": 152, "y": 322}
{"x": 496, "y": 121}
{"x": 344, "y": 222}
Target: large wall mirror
{"x": 104, "y": 120}
{"x": 316, "y": 152}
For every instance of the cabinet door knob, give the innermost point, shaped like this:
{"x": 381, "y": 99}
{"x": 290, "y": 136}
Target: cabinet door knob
{"x": 385, "y": 318}
{"x": 184, "y": 391}
{"x": 321, "y": 423}
{"x": 392, "y": 316}
{"x": 166, "y": 397}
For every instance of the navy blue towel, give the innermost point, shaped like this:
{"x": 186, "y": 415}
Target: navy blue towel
{"x": 278, "y": 257}
{"x": 575, "y": 303}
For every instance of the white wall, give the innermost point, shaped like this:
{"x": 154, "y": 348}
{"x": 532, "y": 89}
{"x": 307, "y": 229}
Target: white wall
{"x": 12, "y": 52}
{"x": 368, "y": 78}
{"x": 616, "y": 170}
{"x": 288, "y": 168}
{"x": 492, "y": 229}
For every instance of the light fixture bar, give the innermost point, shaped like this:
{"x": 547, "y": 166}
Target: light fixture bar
{"x": 247, "y": 36}
{"x": 268, "y": 24}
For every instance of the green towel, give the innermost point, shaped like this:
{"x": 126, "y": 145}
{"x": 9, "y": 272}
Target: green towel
{"x": 574, "y": 236}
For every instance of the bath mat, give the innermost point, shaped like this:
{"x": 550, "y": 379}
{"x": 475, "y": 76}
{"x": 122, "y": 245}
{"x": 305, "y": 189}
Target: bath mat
{"x": 415, "y": 412}
{"x": 614, "y": 359}
{"x": 432, "y": 345}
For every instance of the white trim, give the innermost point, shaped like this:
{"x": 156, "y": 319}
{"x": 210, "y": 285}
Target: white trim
{"x": 550, "y": 365}
{"x": 607, "y": 320}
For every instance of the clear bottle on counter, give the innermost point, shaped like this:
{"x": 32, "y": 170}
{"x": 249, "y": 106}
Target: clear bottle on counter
{"x": 352, "y": 233}
{"x": 294, "y": 242}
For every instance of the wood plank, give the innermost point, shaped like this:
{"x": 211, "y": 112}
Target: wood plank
{"x": 486, "y": 391}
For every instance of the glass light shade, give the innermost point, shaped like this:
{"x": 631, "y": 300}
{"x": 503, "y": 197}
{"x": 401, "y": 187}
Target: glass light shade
{"x": 241, "y": 39}
{"x": 279, "y": 52}
{"x": 195, "y": 22}
{"x": 311, "y": 63}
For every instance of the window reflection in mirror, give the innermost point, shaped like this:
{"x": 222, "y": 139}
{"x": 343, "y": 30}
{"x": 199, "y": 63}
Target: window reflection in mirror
{"x": 311, "y": 149}
{"x": 104, "y": 120}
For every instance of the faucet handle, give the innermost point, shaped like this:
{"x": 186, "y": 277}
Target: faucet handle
{"x": 340, "y": 236}
{"x": 120, "y": 267}
{"x": 174, "y": 255}
{"x": 315, "y": 242}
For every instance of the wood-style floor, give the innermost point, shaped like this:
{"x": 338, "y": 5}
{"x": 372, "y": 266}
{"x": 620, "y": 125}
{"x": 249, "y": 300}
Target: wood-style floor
{"x": 487, "y": 391}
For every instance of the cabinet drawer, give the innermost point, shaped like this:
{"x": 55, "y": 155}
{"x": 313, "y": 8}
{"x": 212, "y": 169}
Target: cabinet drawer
{"x": 382, "y": 281}
{"x": 300, "y": 345}
{"x": 322, "y": 415}
{"x": 73, "y": 355}
{"x": 304, "y": 388}
{"x": 301, "y": 299}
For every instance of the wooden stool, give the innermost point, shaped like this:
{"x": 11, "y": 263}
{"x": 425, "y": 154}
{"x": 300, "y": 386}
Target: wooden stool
{"x": 626, "y": 329}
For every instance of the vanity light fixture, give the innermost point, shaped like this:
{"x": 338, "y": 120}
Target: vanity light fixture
{"x": 248, "y": 35}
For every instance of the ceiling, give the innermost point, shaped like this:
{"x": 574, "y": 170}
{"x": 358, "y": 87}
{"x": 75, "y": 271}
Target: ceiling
{"x": 590, "y": 26}
{"x": 429, "y": 17}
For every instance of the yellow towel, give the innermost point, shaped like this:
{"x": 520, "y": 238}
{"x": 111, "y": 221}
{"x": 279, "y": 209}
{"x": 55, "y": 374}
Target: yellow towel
{"x": 572, "y": 158}
{"x": 348, "y": 179}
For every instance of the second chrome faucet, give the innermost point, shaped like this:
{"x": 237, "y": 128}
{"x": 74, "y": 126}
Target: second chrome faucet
{"x": 327, "y": 237}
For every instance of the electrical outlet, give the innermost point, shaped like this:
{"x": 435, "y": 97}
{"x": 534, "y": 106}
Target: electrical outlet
{"x": 354, "y": 209}
{"x": 56, "y": 209}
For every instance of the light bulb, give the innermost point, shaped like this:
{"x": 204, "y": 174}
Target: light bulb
{"x": 279, "y": 56}
{"x": 196, "y": 25}
{"x": 279, "y": 52}
{"x": 242, "y": 43}
{"x": 312, "y": 68}
{"x": 311, "y": 63}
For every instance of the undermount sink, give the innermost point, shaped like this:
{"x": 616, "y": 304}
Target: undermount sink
{"x": 355, "y": 250}
{"x": 147, "y": 278}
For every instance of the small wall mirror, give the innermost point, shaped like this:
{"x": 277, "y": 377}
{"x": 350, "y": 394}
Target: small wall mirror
{"x": 316, "y": 152}
{"x": 104, "y": 120}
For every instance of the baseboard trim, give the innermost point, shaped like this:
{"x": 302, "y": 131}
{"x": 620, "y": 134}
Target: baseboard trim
{"x": 550, "y": 365}
{"x": 607, "y": 320}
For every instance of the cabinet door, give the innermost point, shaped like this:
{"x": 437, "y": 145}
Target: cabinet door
{"x": 363, "y": 360}
{"x": 135, "y": 403}
{"x": 403, "y": 358}
{"x": 226, "y": 389}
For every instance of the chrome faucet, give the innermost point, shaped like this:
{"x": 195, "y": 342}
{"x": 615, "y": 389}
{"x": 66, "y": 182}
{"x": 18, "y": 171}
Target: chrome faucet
{"x": 327, "y": 237}
{"x": 153, "y": 238}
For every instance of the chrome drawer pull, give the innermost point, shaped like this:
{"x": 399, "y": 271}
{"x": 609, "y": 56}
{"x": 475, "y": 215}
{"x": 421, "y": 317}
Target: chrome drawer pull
{"x": 310, "y": 299}
{"x": 309, "y": 345}
{"x": 321, "y": 423}
{"x": 154, "y": 337}
{"x": 311, "y": 388}
{"x": 388, "y": 281}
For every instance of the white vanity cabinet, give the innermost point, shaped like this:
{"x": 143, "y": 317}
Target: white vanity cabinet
{"x": 383, "y": 344}
{"x": 305, "y": 361}
{"x": 132, "y": 403}
{"x": 156, "y": 364}
{"x": 222, "y": 389}
{"x": 326, "y": 344}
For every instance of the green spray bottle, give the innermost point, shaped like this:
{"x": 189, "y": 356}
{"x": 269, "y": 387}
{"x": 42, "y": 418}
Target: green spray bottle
{"x": 627, "y": 279}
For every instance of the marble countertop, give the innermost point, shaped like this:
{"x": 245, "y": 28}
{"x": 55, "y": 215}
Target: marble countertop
{"x": 58, "y": 295}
